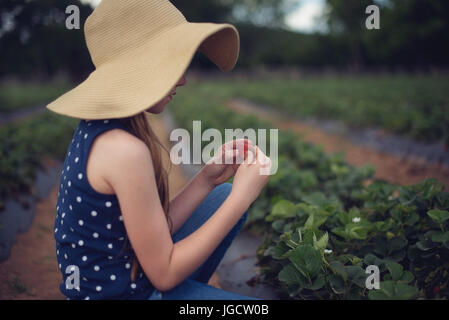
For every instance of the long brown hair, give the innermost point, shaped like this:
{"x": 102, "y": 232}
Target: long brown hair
{"x": 140, "y": 127}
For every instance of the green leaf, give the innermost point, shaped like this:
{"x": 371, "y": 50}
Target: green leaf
{"x": 307, "y": 260}
{"x": 382, "y": 226}
{"x": 347, "y": 217}
{"x": 424, "y": 245}
{"x": 283, "y": 209}
{"x": 404, "y": 291}
{"x": 390, "y": 290}
{"x": 319, "y": 282}
{"x": 442, "y": 199}
{"x": 356, "y": 261}
{"x": 407, "y": 277}
{"x": 412, "y": 219}
{"x": 385, "y": 292}
{"x": 352, "y": 231}
{"x": 317, "y": 199}
{"x": 287, "y": 238}
{"x": 280, "y": 250}
{"x": 291, "y": 276}
{"x": 441, "y": 237}
{"x": 322, "y": 243}
{"x": 340, "y": 232}
{"x": 278, "y": 225}
{"x": 337, "y": 284}
{"x": 397, "y": 243}
{"x": 395, "y": 270}
{"x": 356, "y": 275}
{"x": 314, "y": 221}
{"x": 357, "y": 232}
{"x": 430, "y": 188}
{"x": 439, "y": 216}
{"x": 338, "y": 268}
{"x": 308, "y": 237}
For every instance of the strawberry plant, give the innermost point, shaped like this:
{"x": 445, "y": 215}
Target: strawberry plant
{"x": 23, "y": 146}
{"x": 403, "y": 237}
{"x": 323, "y": 224}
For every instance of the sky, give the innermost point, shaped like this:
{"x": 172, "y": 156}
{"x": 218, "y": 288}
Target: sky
{"x": 302, "y": 19}
{"x": 305, "y": 17}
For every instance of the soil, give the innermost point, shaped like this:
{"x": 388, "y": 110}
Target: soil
{"x": 391, "y": 168}
{"x": 31, "y": 272}
{"x": 21, "y": 115}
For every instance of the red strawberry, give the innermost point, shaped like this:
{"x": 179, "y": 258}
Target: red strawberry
{"x": 436, "y": 289}
{"x": 245, "y": 148}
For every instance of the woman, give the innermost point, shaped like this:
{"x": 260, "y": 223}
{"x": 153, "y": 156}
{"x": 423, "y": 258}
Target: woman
{"x": 116, "y": 229}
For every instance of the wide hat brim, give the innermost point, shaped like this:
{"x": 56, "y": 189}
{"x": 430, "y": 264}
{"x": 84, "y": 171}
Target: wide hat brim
{"x": 133, "y": 82}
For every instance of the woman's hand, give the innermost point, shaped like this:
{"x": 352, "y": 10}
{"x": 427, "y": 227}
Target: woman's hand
{"x": 250, "y": 178}
{"x": 225, "y": 162}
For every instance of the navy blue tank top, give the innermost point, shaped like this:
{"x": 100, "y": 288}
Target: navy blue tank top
{"x": 92, "y": 247}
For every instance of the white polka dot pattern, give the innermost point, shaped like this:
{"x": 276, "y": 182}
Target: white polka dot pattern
{"x": 89, "y": 229}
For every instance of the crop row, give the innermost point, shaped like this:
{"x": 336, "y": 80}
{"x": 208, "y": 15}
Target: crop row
{"x": 17, "y": 96}
{"x": 410, "y": 105}
{"x": 325, "y": 222}
{"x": 24, "y": 145}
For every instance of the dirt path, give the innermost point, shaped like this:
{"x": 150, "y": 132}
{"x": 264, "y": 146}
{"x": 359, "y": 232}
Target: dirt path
{"x": 388, "y": 167}
{"x": 31, "y": 272}
{"x": 18, "y": 116}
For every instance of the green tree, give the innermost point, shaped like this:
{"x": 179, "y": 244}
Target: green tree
{"x": 34, "y": 40}
{"x": 347, "y": 19}
{"x": 269, "y": 13}
{"x": 413, "y": 33}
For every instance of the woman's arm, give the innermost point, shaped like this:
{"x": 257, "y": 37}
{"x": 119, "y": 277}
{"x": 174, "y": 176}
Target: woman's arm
{"x": 130, "y": 172}
{"x": 188, "y": 199}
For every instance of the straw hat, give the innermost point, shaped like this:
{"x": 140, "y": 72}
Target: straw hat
{"x": 140, "y": 49}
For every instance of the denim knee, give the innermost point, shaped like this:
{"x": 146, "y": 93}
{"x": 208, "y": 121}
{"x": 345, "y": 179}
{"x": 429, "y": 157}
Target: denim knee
{"x": 222, "y": 191}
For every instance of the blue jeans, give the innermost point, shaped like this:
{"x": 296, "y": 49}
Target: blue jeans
{"x": 195, "y": 287}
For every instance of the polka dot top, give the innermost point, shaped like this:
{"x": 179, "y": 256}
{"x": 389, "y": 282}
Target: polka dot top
{"x": 92, "y": 248}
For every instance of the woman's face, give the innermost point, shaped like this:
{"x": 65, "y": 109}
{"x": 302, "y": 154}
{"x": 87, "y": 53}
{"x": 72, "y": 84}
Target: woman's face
{"x": 160, "y": 106}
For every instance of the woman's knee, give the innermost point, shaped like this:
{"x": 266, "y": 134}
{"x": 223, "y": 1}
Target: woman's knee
{"x": 206, "y": 209}
{"x": 221, "y": 192}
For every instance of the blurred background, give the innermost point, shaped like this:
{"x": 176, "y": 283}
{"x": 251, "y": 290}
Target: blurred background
{"x": 376, "y": 101}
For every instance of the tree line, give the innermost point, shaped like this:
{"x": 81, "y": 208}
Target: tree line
{"x": 413, "y": 35}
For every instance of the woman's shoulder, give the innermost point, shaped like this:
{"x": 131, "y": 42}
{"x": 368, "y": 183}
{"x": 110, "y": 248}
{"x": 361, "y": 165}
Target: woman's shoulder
{"x": 115, "y": 157}
{"x": 118, "y": 143}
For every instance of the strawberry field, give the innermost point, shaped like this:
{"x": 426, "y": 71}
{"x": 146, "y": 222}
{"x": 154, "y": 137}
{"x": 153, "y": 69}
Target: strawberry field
{"x": 15, "y": 96}
{"x": 23, "y": 146}
{"x": 358, "y": 95}
{"x": 324, "y": 222}
{"x": 411, "y": 105}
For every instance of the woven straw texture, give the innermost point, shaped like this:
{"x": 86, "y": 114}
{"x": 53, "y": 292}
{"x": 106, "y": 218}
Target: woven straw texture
{"x": 140, "y": 49}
